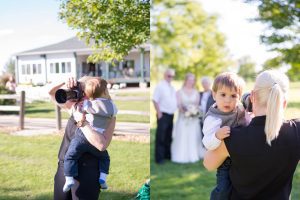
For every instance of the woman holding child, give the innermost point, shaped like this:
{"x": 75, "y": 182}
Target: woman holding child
{"x": 86, "y": 183}
{"x": 186, "y": 145}
{"x": 264, "y": 154}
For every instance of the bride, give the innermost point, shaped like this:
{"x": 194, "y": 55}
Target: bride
{"x": 186, "y": 145}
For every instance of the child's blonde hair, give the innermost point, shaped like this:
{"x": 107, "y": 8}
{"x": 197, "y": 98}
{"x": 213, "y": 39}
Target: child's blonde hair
{"x": 230, "y": 80}
{"x": 96, "y": 87}
{"x": 271, "y": 87}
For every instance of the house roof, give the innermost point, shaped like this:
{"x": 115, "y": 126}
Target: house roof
{"x": 70, "y": 45}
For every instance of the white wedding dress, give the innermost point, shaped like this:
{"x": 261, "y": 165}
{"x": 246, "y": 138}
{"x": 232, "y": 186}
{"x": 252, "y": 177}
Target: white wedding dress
{"x": 187, "y": 141}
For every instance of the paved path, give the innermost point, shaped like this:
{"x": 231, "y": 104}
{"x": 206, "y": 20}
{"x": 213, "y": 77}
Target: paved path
{"x": 40, "y": 126}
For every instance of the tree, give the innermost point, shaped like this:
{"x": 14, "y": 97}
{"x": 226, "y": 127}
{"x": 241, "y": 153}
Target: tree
{"x": 282, "y": 30}
{"x": 111, "y": 27}
{"x": 10, "y": 67}
{"x": 246, "y": 68}
{"x": 185, "y": 38}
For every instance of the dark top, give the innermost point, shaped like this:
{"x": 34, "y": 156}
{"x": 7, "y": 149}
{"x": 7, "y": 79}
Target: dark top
{"x": 68, "y": 136}
{"x": 260, "y": 171}
{"x": 210, "y": 101}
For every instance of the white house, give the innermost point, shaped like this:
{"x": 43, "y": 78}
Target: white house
{"x": 68, "y": 58}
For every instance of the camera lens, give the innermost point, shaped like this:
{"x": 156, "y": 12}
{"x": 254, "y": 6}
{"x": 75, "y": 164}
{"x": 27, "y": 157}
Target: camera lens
{"x": 61, "y": 95}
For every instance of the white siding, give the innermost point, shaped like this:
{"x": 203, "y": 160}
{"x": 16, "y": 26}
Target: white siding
{"x": 57, "y": 60}
{"x": 28, "y": 74}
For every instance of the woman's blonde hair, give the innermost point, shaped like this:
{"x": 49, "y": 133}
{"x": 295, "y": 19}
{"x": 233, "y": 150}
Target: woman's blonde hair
{"x": 271, "y": 87}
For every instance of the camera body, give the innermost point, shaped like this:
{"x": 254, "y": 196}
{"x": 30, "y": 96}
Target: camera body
{"x": 76, "y": 93}
{"x": 247, "y": 102}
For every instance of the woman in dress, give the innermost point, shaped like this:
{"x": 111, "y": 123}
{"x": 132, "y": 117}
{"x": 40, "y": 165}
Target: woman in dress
{"x": 186, "y": 145}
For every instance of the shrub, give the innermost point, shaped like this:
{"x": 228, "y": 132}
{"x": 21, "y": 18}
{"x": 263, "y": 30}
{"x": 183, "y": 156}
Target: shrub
{"x": 3, "y": 90}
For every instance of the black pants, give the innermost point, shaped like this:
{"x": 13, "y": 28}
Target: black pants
{"x": 163, "y": 137}
{"x": 78, "y": 146}
{"x": 86, "y": 183}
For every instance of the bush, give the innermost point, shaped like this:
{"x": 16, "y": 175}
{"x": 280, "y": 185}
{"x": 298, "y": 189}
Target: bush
{"x": 3, "y": 79}
{"x": 3, "y": 90}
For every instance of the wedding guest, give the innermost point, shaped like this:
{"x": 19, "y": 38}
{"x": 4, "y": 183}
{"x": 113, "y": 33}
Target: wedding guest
{"x": 164, "y": 100}
{"x": 206, "y": 98}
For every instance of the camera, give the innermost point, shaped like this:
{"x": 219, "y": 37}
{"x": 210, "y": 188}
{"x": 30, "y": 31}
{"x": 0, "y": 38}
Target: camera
{"x": 247, "y": 102}
{"x": 75, "y": 93}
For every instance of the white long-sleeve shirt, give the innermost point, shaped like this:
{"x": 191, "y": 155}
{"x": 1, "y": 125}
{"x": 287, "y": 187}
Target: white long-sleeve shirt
{"x": 210, "y": 126}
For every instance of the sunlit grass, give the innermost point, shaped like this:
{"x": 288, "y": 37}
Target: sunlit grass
{"x": 28, "y": 166}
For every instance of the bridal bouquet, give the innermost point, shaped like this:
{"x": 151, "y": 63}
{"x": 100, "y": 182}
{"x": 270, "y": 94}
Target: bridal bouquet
{"x": 192, "y": 111}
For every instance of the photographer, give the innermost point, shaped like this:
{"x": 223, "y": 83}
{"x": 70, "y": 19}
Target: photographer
{"x": 86, "y": 183}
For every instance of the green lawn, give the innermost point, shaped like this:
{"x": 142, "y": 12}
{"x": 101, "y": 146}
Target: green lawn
{"x": 42, "y": 109}
{"x": 28, "y": 165}
{"x": 172, "y": 181}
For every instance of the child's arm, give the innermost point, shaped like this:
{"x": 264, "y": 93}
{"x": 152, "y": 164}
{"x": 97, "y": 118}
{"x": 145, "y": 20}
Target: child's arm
{"x": 210, "y": 126}
{"x": 68, "y": 84}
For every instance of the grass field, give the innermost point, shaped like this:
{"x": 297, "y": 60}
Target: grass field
{"x": 42, "y": 109}
{"x": 192, "y": 181}
{"x": 28, "y": 165}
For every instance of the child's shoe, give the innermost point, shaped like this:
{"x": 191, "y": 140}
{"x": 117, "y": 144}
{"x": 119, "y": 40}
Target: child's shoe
{"x": 103, "y": 184}
{"x": 69, "y": 183}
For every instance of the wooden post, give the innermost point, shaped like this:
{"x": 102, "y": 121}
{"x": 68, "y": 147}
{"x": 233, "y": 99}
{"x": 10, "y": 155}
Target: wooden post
{"x": 22, "y": 110}
{"x": 58, "y": 117}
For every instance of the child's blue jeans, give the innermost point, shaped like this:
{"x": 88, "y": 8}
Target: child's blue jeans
{"x": 223, "y": 189}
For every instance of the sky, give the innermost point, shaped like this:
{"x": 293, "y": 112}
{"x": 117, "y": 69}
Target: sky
{"x": 242, "y": 36}
{"x": 30, "y": 24}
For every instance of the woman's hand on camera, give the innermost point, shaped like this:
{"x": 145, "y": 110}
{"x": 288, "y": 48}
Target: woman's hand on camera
{"x": 71, "y": 82}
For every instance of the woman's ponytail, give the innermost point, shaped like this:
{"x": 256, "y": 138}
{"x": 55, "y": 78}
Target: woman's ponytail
{"x": 274, "y": 113}
{"x": 271, "y": 88}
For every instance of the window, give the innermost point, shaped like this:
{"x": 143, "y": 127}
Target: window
{"x": 63, "y": 67}
{"x": 68, "y": 67}
{"x": 51, "y": 68}
{"x": 39, "y": 69}
{"x": 34, "y": 68}
{"x": 28, "y": 68}
{"x": 57, "y": 68}
{"x": 23, "y": 69}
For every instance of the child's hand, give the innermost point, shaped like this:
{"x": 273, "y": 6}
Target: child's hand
{"x": 223, "y": 132}
{"x": 77, "y": 114}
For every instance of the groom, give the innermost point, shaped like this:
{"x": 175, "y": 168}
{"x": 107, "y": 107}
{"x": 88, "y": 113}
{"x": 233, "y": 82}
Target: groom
{"x": 164, "y": 100}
